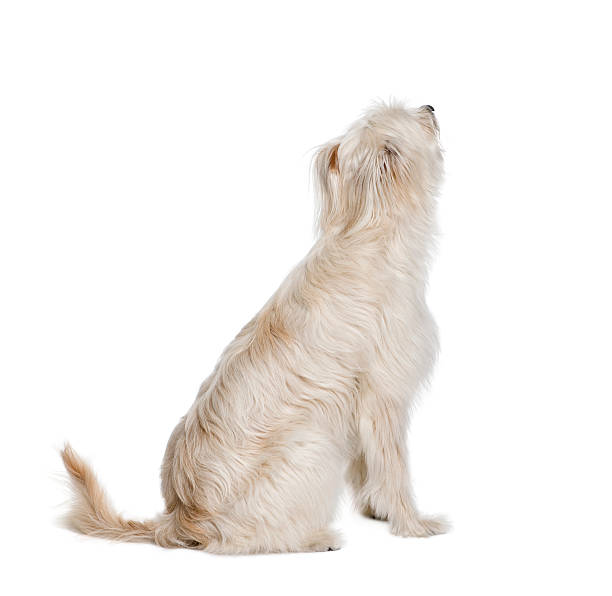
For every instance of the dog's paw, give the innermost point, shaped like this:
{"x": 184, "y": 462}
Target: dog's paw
{"x": 323, "y": 541}
{"x": 421, "y": 527}
{"x": 368, "y": 511}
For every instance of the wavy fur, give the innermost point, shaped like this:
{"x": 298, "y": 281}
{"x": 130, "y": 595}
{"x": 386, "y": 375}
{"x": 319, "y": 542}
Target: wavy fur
{"x": 320, "y": 381}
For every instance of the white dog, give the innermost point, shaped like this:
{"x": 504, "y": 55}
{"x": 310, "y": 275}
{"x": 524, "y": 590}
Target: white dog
{"x": 321, "y": 380}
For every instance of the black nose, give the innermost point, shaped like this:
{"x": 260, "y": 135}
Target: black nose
{"x": 430, "y": 108}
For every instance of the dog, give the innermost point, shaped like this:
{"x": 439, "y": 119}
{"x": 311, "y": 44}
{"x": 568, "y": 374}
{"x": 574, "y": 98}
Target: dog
{"x": 317, "y": 387}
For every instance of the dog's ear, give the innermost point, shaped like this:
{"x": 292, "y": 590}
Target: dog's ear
{"x": 326, "y": 163}
{"x": 326, "y": 171}
{"x": 359, "y": 186}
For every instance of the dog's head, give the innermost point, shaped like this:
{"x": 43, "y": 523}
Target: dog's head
{"x": 387, "y": 163}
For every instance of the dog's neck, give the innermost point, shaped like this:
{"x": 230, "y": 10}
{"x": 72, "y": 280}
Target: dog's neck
{"x": 412, "y": 229}
{"x": 402, "y": 243}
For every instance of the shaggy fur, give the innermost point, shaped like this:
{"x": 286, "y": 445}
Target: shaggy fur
{"x": 321, "y": 380}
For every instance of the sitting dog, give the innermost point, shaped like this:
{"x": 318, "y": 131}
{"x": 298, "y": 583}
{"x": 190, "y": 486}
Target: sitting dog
{"x": 320, "y": 382}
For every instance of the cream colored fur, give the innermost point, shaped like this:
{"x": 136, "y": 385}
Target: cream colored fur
{"x": 320, "y": 382}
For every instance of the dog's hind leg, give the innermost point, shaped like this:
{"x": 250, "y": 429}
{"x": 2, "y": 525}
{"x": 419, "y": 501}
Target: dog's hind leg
{"x": 290, "y": 505}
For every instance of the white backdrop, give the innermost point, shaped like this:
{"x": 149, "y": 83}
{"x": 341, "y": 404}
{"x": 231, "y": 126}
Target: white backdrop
{"x": 154, "y": 192}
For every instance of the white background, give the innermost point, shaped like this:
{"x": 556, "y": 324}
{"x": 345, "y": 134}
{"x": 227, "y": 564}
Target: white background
{"x": 154, "y": 192}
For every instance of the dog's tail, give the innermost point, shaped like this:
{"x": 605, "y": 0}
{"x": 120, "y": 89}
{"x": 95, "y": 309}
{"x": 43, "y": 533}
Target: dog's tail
{"x": 91, "y": 512}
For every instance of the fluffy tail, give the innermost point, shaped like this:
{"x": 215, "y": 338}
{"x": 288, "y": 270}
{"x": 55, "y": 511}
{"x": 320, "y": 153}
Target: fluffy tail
{"x": 91, "y": 512}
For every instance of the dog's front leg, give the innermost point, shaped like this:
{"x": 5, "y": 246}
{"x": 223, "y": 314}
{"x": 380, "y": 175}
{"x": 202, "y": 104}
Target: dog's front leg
{"x": 379, "y": 473}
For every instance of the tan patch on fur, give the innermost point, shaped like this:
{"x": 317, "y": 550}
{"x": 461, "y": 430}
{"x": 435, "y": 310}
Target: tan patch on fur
{"x": 270, "y": 328}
